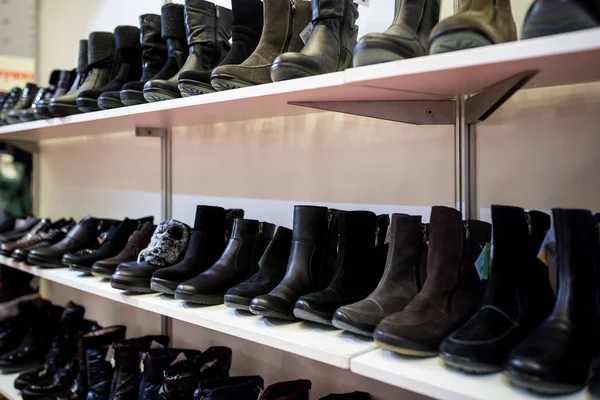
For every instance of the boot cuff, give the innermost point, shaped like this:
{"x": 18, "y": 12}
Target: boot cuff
{"x": 100, "y": 47}
{"x": 173, "y": 24}
{"x": 82, "y": 60}
{"x": 127, "y": 37}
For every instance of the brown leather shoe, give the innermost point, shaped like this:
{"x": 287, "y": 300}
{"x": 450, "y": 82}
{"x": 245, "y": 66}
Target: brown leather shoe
{"x": 452, "y": 291}
{"x": 138, "y": 241}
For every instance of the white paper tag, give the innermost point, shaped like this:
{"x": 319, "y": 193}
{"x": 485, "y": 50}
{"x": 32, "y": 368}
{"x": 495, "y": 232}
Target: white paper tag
{"x": 547, "y": 253}
{"x": 156, "y": 345}
{"x": 180, "y": 357}
{"x": 306, "y": 33}
{"x": 110, "y": 353}
{"x": 363, "y": 2}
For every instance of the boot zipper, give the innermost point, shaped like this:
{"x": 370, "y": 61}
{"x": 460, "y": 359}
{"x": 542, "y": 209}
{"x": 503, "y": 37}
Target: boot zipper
{"x": 467, "y": 232}
{"x": 144, "y": 355}
{"x": 377, "y": 236}
{"x": 329, "y": 218}
{"x": 288, "y": 37}
{"x": 528, "y": 221}
{"x": 215, "y": 32}
{"x": 260, "y": 228}
{"x": 424, "y": 231}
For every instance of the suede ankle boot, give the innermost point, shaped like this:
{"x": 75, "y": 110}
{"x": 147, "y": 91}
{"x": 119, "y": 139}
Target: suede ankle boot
{"x": 125, "y": 67}
{"x": 238, "y": 262}
{"x": 348, "y": 396}
{"x": 25, "y": 101}
{"x": 208, "y": 238}
{"x": 401, "y": 281}
{"x": 208, "y": 30}
{"x": 517, "y": 299}
{"x": 9, "y": 102}
{"x": 451, "y": 294}
{"x": 292, "y": 390}
{"x": 478, "y": 23}
{"x": 306, "y": 268}
{"x": 555, "y": 359}
{"x": 64, "y": 104}
{"x": 357, "y": 272}
{"x": 65, "y": 81}
{"x": 550, "y": 17}
{"x": 246, "y": 30}
{"x": 271, "y": 270}
{"x": 238, "y": 388}
{"x": 153, "y": 365}
{"x": 329, "y": 49}
{"x": 154, "y": 56}
{"x": 284, "y": 20}
{"x": 407, "y": 37}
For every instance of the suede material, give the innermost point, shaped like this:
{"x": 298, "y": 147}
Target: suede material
{"x": 292, "y": 390}
{"x": 452, "y": 291}
{"x": 101, "y": 49}
{"x": 173, "y": 21}
{"x": 400, "y": 282}
{"x": 256, "y": 69}
{"x": 491, "y": 18}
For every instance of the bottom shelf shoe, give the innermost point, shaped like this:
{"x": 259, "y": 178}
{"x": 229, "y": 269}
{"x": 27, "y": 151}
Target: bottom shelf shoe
{"x": 238, "y": 388}
{"x": 154, "y": 363}
{"x": 292, "y": 390}
{"x": 348, "y": 396}
{"x": 57, "y": 387}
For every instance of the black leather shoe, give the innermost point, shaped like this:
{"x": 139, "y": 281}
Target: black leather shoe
{"x": 518, "y": 297}
{"x": 25, "y": 101}
{"x": 18, "y": 233}
{"x": 236, "y": 387}
{"x": 65, "y": 81}
{"x": 155, "y": 362}
{"x": 555, "y": 359}
{"x": 9, "y": 102}
{"x": 238, "y": 262}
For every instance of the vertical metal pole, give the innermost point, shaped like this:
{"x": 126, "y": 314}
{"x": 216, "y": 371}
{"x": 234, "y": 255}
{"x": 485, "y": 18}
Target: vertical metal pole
{"x": 456, "y": 6}
{"x": 459, "y": 153}
{"x": 470, "y": 174}
{"x": 166, "y": 324}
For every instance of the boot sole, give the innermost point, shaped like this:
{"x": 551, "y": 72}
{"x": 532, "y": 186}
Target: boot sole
{"x": 101, "y": 274}
{"x": 40, "y": 262}
{"x": 404, "y": 346}
{"x": 372, "y": 55}
{"x": 63, "y": 110}
{"x": 263, "y": 312}
{"x": 358, "y": 329}
{"x": 132, "y": 97}
{"x": 538, "y": 386}
{"x": 312, "y": 317}
{"x": 237, "y": 302}
{"x": 87, "y": 105}
{"x": 228, "y": 82}
{"x": 199, "y": 298}
{"x": 468, "y": 366}
{"x": 162, "y": 286}
{"x": 455, "y": 41}
{"x": 189, "y": 88}
{"x": 283, "y": 71}
{"x": 136, "y": 285}
{"x": 107, "y": 103}
{"x": 156, "y": 94}
{"x": 80, "y": 268}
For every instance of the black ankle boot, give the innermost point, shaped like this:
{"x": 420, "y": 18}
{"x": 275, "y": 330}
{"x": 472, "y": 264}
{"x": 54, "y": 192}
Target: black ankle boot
{"x": 208, "y": 29}
{"x": 271, "y": 270}
{"x": 126, "y": 67}
{"x": 555, "y": 359}
{"x": 518, "y": 297}
{"x": 407, "y": 37}
{"x": 211, "y": 231}
{"x": 329, "y": 49}
{"x": 64, "y": 104}
{"x": 238, "y": 388}
{"x": 154, "y": 56}
{"x": 306, "y": 269}
{"x": 153, "y": 365}
{"x": 9, "y": 102}
{"x": 65, "y": 80}
{"x": 25, "y": 101}
{"x": 238, "y": 262}
{"x": 42, "y": 94}
{"x": 246, "y": 31}
{"x": 357, "y": 271}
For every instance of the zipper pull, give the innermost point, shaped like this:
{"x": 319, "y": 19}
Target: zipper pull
{"x": 113, "y": 362}
{"x": 142, "y": 362}
{"x": 377, "y": 236}
{"x": 329, "y": 218}
{"x": 529, "y": 227}
{"x": 293, "y": 4}
{"x": 260, "y": 228}
{"x": 217, "y": 11}
{"x": 467, "y": 232}
{"x": 424, "y": 231}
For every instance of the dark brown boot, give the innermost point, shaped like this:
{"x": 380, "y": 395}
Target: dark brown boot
{"x": 452, "y": 291}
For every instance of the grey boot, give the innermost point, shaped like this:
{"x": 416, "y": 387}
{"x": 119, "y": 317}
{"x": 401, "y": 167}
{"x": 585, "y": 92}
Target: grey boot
{"x": 478, "y": 23}
{"x": 284, "y": 20}
{"x": 407, "y": 37}
{"x": 65, "y": 104}
{"x": 550, "y": 17}
{"x": 330, "y": 46}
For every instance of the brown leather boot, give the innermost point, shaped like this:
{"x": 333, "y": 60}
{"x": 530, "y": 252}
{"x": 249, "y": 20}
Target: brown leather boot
{"x": 478, "y": 23}
{"x": 452, "y": 291}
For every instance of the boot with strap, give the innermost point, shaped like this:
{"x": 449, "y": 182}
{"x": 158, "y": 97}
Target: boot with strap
{"x": 478, "y": 23}
{"x": 329, "y": 49}
{"x": 65, "y": 102}
{"x": 407, "y": 37}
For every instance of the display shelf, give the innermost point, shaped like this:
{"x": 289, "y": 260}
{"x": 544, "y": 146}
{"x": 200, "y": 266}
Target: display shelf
{"x": 310, "y": 340}
{"x": 431, "y": 378}
{"x": 560, "y": 60}
{"x": 7, "y": 388}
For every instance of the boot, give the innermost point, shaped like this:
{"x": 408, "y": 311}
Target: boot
{"x": 305, "y": 271}
{"x": 348, "y": 396}
{"x": 25, "y": 101}
{"x": 153, "y": 365}
{"x": 238, "y": 262}
{"x": 55, "y": 234}
{"x": 550, "y": 17}
{"x": 207, "y": 242}
{"x": 125, "y": 67}
{"x": 284, "y": 20}
{"x": 451, "y": 294}
{"x": 140, "y": 239}
{"x": 594, "y": 385}
{"x": 356, "y": 273}
{"x": 555, "y": 359}
{"x": 518, "y": 297}
{"x": 292, "y": 390}
{"x": 329, "y": 49}
{"x": 65, "y": 80}
{"x": 208, "y": 29}
{"x": 407, "y": 37}
{"x": 115, "y": 241}
{"x": 246, "y": 30}
{"x": 41, "y": 95}
{"x": 477, "y": 23}
{"x": 400, "y": 282}
{"x": 98, "y": 73}
{"x": 65, "y": 103}
{"x": 9, "y": 102}
{"x": 271, "y": 270}
{"x": 154, "y": 56}
{"x": 238, "y": 388}
{"x": 167, "y": 247}
{"x": 24, "y": 226}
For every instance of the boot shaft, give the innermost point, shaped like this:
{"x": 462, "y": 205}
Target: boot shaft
{"x": 82, "y": 57}
{"x": 278, "y": 251}
{"x": 173, "y": 33}
{"x": 128, "y": 53}
{"x": 418, "y": 17}
{"x": 101, "y": 51}
{"x": 247, "y": 21}
{"x": 153, "y": 46}
{"x": 154, "y": 364}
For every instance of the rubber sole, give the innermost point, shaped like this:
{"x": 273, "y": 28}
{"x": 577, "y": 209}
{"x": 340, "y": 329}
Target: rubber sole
{"x": 86, "y": 104}
{"x": 63, "y": 110}
{"x": 535, "y": 385}
{"x": 132, "y": 97}
{"x": 101, "y": 272}
{"x": 39, "y": 262}
{"x": 199, "y": 298}
{"x": 189, "y": 88}
{"x": 108, "y": 103}
{"x": 342, "y": 322}
{"x": 369, "y": 54}
{"x": 19, "y": 368}
{"x": 263, "y": 312}
{"x": 468, "y": 366}
{"x": 158, "y": 285}
{"x": 135, "y": 285}
{"x": 156, "y": 94}
{"x": 101, "y": 275}
{"x": 237, "y": 302}
{"x": 227, "y": 82}
{"x": 80, "y": 268}
{"x": 404, "y": 346}
{"x": 311, "y": 316}
{"x": 285, "y": 71}
{"x": 455, "y": 41}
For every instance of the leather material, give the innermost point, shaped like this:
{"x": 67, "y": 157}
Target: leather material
{"x": 239, "y": 388}
{"x": 28, "y": 114}
{"x": 401, "y": 280}
{"x": 551, "y": 17}
{"x": 518, "y": 297}
{"x": 9, "y": 102}
{"x": 154, "y": 363}
{"x": 306, "y": 269}
{"x": 25, "y": 101}
{"x": 452, "y": 292}
{"x": 65, "y": 80}
{"x": 42, "y": 240}
{"x": 559, "y": 352}
{"x": 291, "y": 390}
{"x": 284, "y": 20}
{"x": 329, "y": 49}
{"x": 14, "y": 329}
{"x": 36, "y": 231}
{"x": 19, "y": 232}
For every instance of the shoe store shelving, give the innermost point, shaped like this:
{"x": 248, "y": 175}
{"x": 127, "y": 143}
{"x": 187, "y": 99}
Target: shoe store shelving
{"x": 7, "y": 387}
{"x": 560, "y": 60}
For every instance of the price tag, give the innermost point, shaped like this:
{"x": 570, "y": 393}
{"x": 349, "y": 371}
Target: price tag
{"x": 306, "y": 33}
{"x": 365, "y": 3}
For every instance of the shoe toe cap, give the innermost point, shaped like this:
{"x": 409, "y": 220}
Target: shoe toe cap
{"x": 272, "y": 303}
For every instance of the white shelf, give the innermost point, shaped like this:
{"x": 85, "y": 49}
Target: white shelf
{"x": 310, "y": 340}
{"x": 7, "y": 388}
{"x": 561, "y": 60}
{"x": 431, "y": 378}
